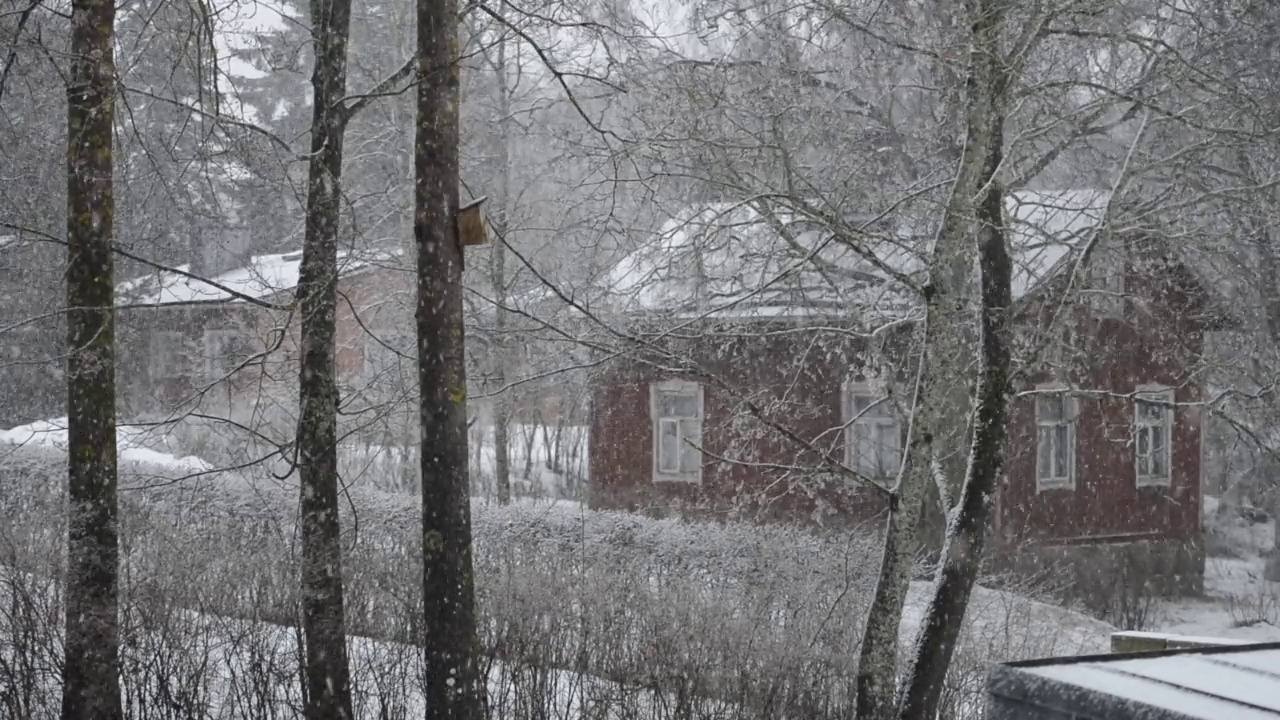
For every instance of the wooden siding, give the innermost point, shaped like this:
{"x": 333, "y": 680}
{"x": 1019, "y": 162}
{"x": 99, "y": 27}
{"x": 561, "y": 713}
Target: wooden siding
{"x": 794, "y": 379}
{"x": 1158, "y": 343}
{"x": 369, "y": 301}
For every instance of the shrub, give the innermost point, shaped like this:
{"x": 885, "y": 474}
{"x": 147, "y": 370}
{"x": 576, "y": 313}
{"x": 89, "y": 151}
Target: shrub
{"x": 581, "y": 612}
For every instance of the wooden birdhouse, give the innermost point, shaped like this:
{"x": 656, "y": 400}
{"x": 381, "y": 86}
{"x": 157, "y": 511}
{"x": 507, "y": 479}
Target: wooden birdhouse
{"x": 471, "y": 224}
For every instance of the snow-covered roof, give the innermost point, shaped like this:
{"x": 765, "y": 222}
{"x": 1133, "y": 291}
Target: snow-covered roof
{"x": 728, "y": 260}
{"x": 1232, "y": 683}
{"x": 265, "y": 276}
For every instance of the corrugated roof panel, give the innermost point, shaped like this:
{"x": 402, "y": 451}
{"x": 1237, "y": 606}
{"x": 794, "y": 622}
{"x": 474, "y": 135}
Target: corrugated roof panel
{"x": 1220, "y": 683}
{"x": 1098, "y": 677}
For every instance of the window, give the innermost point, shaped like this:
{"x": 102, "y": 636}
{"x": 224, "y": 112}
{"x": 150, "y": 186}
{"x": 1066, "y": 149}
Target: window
{"x": 676, "y": 409}
{"x": 873, "y": 437}
{"x": 1055, "y": 440}
{"x": 1152, "y": 432}
{"x": 225, "y": 351}
{"x": 168, "y": 356}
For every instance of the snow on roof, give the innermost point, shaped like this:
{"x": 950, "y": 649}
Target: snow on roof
{"x": 1045, "y": 227}
{"x": 727, "y": 260}
{"x": 1218, "y": 684}
{"x": 265, "y": 276}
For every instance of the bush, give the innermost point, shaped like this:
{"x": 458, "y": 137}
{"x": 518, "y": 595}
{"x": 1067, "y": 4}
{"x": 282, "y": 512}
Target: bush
{"x": 581, "y": 612}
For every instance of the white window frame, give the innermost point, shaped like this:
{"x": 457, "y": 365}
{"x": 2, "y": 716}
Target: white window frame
{"x": 688, "y": 429}
{"x": 179, "y": 367}
{"x": 852, "y": 420}
{"x": 211, "y": 360}
{"x": 1167, "y": 396}
{"x": 1053, "y": 481}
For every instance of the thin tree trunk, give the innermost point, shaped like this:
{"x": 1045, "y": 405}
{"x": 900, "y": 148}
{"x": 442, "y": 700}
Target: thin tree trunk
{"x": 530, "y": 438}
{"x": 498, "y": 279}
{"x": 328, "y": 678}
{"x": 453, "y": 690}
{"x": 937, "y": 412}
{"x": 967, "y": 530}
{"x": 878, "y": 659}
{"x": 91, "y": 671}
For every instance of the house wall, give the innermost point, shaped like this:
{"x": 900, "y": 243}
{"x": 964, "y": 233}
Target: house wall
{"x": 1157, "y": 341}
{"x": 33, "y": 339}
{"x": 372, "y": 296}
{"x": 794, "y": 379}
{"x": 1106, "y": 500}
{"x": 143, "y": 388}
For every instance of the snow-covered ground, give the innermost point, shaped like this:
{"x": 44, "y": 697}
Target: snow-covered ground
{"x": 133, "y": 442}
{"x": 1238, "y": 603}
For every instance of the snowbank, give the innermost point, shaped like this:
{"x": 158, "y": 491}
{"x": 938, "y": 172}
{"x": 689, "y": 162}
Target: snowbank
{"x": 129, "y": 444}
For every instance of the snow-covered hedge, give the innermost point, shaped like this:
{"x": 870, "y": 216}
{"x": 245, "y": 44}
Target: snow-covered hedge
{"x": 763, "y": 621}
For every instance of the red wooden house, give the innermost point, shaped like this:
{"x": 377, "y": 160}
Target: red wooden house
{"x": 767, "y": 347}
{"x": 195, "y": 338}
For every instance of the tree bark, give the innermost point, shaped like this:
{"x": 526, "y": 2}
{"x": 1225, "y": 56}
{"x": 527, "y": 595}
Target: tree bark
{"x": 452, "y": 685}
{"x": 328, "y": 679}
{"x": 967, "y": 530}
{"x": 939, "y": 426}
{"x": 498, "y": 280}
{"x": 91, "y": 671}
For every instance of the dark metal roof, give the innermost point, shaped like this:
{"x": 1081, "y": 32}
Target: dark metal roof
{"x": 1226, "y": 683}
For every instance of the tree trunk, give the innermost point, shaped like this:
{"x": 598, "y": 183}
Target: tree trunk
{"x": 91, "y": 672}
{"x": 498, "y": 279}
{"x": 967, "y": 530}
{"x": 939, "y": 422}
{"x": 452, "y": 687}
{"x": 328, "y": 679}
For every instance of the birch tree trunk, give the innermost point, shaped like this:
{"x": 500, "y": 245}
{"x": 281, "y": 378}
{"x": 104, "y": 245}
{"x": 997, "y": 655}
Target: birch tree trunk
{"x": 940, "y": 412}
{"x": 328, "y": 680}
{"x": 452, "y": 686}
{"x": 967, "y": 527}
{"x": 91, "y": 671}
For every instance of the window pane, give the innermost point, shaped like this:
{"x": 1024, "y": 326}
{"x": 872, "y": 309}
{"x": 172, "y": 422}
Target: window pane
{"x": 1143, "y": 447}
{"x": 1062, "y": 451}
{"x": 863, "y": 453}
{"x": 862, "y": 407}
{"x": 675, "y": 405}
{"x": 1159, "y": 453}
{"x": 1044, "y": 464}
{"x": 1150, "y": 412}
{"x": 888, "y": 457}
{"x": 690, "y": 440}
{"x": 1052, "y": 408}
{"x": 668, "y": 446}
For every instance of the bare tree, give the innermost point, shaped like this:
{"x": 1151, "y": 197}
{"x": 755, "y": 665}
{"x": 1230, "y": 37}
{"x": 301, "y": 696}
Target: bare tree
{"x": 453, "y": 690}
{"x": 91, "y": 671}
{"x": 328, "y": 681}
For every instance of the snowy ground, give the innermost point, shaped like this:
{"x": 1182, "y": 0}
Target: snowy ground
{"x": 133, "y": 442}
{"x": 1238, "y": 602}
